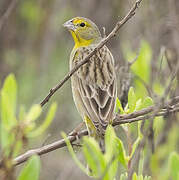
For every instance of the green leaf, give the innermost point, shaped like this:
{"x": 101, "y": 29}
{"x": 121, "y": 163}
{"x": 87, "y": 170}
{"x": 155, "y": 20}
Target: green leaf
{"x": 119, "y": 106}
{"x": 8, "y": 111}
{"x": 94, "y": 156}
{"x": 115, "y": 152}
{"x": 174, "y": 165}
{"x": 71, "y": 151}
{"x": 46, "y": 123}
{"x": 138, "y": 104}
{"x": 34, "y": 113}
{"x": 110, "y": 172}
{"x": 6, "y": 139}
{"x": 91, "y": 163}
{"x": 110, "y": 143}
{"x": 131, "y": 99}
{"x": 134, "y": 177}
{"x": 126, "y": 108}
{"x": 142, "y": 65}
{"x": 148, "y": 101}
{"x": 8, "y": 102}
{"x": 31, "y": 170}
{"x": 140, "y": 90}
{"x": 122, "y": 154}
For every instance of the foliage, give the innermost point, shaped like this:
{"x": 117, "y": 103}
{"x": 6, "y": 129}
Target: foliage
{"x": 16, "y": 130}
{"x": 134, "y": 103}
{"x": 105, "y": 166}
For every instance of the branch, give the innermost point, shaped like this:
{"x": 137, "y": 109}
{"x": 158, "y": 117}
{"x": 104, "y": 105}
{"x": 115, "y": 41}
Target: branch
{"x": 147, "y": 110}
{"x": 113, "y": 33}
{"x": 171, "y": 106}
{"x": 7, "y": 13}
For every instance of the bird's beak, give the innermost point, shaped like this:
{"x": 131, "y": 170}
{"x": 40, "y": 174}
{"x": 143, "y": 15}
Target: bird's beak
{"x": 69, "y": 25}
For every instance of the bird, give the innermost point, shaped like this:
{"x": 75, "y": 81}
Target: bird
{"x": 94, "y": 86}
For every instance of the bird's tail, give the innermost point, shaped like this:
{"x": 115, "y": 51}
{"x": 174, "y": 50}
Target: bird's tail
{"x": 101, "y": 142}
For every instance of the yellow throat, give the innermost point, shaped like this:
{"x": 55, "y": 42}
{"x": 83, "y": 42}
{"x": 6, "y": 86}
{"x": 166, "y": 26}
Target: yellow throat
{"x": 79, "y": 42}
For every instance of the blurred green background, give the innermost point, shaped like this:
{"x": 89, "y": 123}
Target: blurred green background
{"x": 36, "y": 48}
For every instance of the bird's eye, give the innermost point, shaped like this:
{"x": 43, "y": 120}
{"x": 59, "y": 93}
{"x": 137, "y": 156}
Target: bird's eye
{"x": 82, "y": 24}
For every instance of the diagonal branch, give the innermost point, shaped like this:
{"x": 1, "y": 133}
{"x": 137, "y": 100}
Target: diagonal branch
{"x": 113, "y": 33}
{"x": 171, "y": 106}
{"x": 7, "y": 13}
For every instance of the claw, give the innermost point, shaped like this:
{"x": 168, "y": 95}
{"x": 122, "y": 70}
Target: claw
{"x": 75, "y": 132}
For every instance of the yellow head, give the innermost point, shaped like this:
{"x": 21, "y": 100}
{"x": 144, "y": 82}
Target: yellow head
{"x": 84, "y": 31}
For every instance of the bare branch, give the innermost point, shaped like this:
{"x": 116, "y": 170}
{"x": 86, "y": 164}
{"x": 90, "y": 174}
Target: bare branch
{"x": 144, "y": 114}
{"x": 47, "y": 148}
{"x": 113, "y": 33}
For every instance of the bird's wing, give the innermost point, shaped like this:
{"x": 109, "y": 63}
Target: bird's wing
{"x": 96, "y": 83}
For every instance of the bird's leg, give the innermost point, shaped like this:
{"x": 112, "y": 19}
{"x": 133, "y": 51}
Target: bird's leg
{"x": 75, "y": 133}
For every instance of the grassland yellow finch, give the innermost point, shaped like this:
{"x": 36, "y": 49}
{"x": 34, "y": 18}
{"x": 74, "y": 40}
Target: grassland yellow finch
{"x": 94, "y": 84}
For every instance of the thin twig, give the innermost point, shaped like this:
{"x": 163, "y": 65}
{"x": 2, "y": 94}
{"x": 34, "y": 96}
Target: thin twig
{"x": 113, "y": 33}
